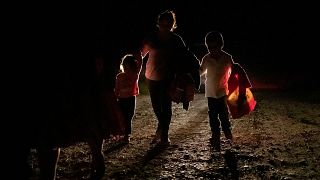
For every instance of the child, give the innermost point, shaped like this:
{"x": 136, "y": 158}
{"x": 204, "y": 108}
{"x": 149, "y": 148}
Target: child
{"x": 217, "y": 65}
{"x": 127, "y": 89}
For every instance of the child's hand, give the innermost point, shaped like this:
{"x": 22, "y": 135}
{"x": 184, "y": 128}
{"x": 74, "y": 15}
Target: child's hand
{"x": 137, "y": 55}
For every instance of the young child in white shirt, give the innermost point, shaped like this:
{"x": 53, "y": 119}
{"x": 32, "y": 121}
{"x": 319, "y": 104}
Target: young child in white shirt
{"x": 216, "y": 65}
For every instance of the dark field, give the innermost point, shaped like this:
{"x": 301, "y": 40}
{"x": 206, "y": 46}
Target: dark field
{"x": 280, "y": 139}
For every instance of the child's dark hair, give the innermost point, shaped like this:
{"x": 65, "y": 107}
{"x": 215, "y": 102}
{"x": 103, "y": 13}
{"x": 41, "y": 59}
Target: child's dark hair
{"x": 215, "y": 36}
{"x": 170, "y": 16}
{"x": 130, "y": 61}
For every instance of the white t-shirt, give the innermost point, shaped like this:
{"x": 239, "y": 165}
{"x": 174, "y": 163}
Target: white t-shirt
{"x": 217, "y": 73}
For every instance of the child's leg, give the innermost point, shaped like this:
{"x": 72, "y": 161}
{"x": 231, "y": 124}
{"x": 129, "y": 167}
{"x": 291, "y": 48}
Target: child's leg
{"x": 130, "y": 111}
{"x": 224, "y": 118}
{"x": 214, "y": 122}
{"x": 128, "y": 108}
{"x": 213, "y": 115}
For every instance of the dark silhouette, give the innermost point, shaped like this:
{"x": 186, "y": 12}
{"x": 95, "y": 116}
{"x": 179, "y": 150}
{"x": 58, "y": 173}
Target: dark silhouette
{"x": 64, "y": 98}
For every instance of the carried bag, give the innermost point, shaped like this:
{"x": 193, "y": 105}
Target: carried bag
{"x": 182, "y": 90}
{"x": 237, "y": 110}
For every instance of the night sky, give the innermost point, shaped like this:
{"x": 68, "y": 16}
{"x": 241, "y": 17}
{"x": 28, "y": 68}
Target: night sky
{"x": 269, "y": 37}
{"x": 251, "y": 28}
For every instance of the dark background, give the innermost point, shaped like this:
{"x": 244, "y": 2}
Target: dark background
{"x": 50, "y": 47}
{"x": 275, "y": 41}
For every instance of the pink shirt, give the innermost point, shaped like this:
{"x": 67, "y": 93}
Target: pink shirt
{"x": 161, "y": 53}
{"x": 127, "y": 83}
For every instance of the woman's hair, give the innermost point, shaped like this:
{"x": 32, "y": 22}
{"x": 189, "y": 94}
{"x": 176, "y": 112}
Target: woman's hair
{"x": 130, "y": 61}
{"x": 215, "y": 36}
{"x": 169, "y": 16}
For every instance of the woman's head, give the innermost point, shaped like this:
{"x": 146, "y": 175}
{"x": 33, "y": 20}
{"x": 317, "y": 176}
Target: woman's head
{"x": 128, "y": 63}
{"x": 167, "y": 21}
{"x": 214, "y": 41}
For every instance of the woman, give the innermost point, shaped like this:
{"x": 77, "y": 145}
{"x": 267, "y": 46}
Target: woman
{"x": 162, "y": 47}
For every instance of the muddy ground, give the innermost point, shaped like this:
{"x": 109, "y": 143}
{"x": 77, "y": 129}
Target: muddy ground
{"x": 280, "y": 139}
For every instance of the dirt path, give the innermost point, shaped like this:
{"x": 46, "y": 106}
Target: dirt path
{"x": 279, "y": 140}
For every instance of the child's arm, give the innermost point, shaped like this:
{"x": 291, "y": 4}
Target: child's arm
{"x": 144, "y": 50}
{"x": 202, "y": 69}
{"x": 243, "y": 82}
{"x": 139, "y": 60}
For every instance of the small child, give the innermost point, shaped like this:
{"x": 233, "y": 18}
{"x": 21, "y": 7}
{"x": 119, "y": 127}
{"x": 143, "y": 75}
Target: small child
{"x": 127, "y": 89}
{"x": 217, "y": 65}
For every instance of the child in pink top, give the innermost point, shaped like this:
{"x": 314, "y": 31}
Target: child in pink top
{"x": 127, "y": 89}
